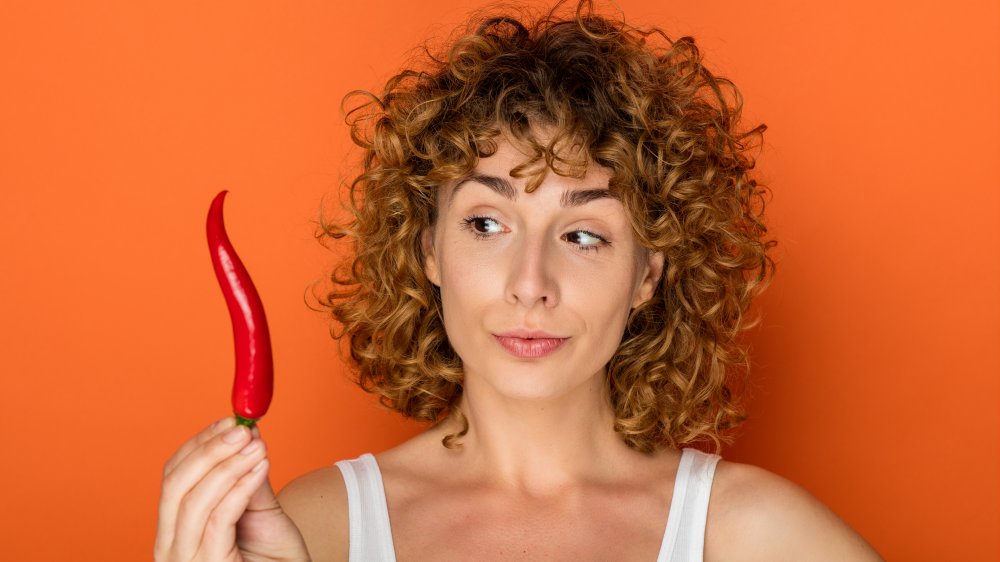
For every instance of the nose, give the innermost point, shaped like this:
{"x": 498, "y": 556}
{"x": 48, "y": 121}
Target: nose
{"x": 532, "y": 277}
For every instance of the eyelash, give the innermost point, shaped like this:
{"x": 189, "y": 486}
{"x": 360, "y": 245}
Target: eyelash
{"x": 467, "y": 224}
{"x": 602, "y": 241}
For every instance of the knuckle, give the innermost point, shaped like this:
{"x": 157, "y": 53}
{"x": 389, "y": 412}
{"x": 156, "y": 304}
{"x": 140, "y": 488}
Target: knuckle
{"x": 216, "y": 520}
{"x": 235, "y": 465}
{"x": 259, "y": 452}
{"x": 214, "y": 451}
{"x": 185, "y": 507}
{"x": 261, "y": 448}
{"x": 168, "y": 481}
{"x": 204, "y": 438}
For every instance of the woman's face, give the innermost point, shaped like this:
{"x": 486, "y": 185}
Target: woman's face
{"x": 536, "y": 287}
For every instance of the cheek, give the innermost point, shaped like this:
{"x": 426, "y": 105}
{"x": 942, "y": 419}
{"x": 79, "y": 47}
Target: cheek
{"x": 606, "y": 315}
{"x": 470, "y": 277}
{"x": 468, "y": 288}
{"x": 606, "y": 289}
{"x": 603, "y": 299}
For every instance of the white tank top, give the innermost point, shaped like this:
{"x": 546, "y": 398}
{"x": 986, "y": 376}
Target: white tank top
{"x": 683, "y": 539}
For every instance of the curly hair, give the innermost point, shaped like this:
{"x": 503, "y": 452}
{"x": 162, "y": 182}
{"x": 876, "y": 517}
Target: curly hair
{"x": 642, "y": 105}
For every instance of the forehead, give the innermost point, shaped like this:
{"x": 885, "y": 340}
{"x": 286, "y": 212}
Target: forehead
{"x": 584, "y": 174}
{"x": 511, "y": 153}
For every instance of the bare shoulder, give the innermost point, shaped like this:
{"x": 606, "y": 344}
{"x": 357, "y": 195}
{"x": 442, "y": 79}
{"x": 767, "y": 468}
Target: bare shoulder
{"x": 317, "y": 503}
{"x": 754, "y": 514}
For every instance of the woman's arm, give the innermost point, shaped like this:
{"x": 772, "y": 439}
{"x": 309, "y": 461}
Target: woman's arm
{"x": 317, "y": 503}
{"x": 757, "y": 515}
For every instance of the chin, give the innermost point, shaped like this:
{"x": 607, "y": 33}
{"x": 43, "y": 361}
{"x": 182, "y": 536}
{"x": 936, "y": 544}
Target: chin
{"x": 531, "y": 385}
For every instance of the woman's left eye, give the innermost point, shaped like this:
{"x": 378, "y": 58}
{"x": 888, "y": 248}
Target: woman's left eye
{"x": 585, "y": 240}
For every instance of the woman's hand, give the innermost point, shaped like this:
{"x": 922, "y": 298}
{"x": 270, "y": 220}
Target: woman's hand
{"x": 216, "y": 503}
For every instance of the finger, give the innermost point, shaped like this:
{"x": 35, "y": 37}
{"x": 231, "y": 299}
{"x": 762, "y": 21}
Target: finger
{"x": 196, "y": 507}
{"x": 189, "y": 471}
{"x": 166, "y": 514}
{"x": 220, "y": 532}
{"x": 217, "y": 427}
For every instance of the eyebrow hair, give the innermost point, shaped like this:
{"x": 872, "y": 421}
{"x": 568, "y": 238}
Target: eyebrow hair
{"x": 503, "y": 188}
{"x": 584, "y": 196}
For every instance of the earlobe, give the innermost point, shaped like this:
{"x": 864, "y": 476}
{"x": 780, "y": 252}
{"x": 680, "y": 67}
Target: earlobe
{"x": 652, "y": 272}
{"x": 431, "y": 269}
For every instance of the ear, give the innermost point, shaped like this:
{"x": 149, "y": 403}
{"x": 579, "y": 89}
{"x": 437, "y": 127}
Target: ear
{"x": 652, "y": 270}
{"x": 431, "y": 268}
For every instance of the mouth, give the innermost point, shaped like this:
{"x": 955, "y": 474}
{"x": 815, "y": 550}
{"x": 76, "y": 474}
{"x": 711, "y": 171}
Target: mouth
{"x": 529, "y": 345}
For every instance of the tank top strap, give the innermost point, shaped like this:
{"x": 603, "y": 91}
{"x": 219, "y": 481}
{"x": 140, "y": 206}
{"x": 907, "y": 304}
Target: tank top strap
{"x": 684, "y": 538}
{"x": 368, "y": 514}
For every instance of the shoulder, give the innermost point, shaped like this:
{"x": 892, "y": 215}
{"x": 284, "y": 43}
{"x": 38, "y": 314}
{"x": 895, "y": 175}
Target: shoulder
{"x": 754, "y": 514}
{"x": 317, "y": 503}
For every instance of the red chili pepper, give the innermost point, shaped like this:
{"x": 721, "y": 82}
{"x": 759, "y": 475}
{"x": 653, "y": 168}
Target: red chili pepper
{"x": 254, "y": 380}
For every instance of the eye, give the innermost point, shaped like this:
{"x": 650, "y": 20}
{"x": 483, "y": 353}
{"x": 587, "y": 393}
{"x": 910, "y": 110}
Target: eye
{"x": 586, "y": 241}
{"x": 482, "y": 227}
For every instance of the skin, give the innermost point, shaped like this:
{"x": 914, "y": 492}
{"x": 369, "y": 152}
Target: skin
{"x": 526, "y": 261}
{"x": 215, "y": 506}
{"x": 541, "y": 474}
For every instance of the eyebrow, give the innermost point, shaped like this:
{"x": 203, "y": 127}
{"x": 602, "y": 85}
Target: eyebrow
{"x": 584, "y": 196}
{"x": 503, "y": 188}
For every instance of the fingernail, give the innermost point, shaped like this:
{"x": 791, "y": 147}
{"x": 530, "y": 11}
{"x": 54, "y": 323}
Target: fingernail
{"x": 234, "y": 435}
{"x": 253, "y": 446}
{"x": 223, "y": 423}
{"x": 255, "y": 431}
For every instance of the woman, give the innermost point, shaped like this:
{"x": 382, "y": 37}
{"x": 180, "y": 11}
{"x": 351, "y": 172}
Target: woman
{"x": 556, "y": 239}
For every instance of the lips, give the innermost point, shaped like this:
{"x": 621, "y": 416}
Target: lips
{"x": 527, "y": 344}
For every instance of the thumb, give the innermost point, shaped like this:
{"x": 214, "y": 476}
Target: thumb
{"x": 263, "y": 497}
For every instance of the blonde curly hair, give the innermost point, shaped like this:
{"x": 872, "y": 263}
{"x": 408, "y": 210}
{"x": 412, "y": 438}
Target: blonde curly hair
{"x": 642, "y": 105}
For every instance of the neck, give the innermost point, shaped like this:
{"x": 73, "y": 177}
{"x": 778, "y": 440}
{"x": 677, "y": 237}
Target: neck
{"x": 539, "y": 446}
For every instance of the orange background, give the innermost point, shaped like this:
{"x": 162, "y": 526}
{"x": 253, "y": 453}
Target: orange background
{"x": 876, "y": 366}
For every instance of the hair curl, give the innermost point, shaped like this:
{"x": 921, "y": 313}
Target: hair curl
{"x": 642, "y": 105}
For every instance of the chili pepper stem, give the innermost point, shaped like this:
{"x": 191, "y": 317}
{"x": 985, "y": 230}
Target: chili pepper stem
{"x": 240, "y": 420}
